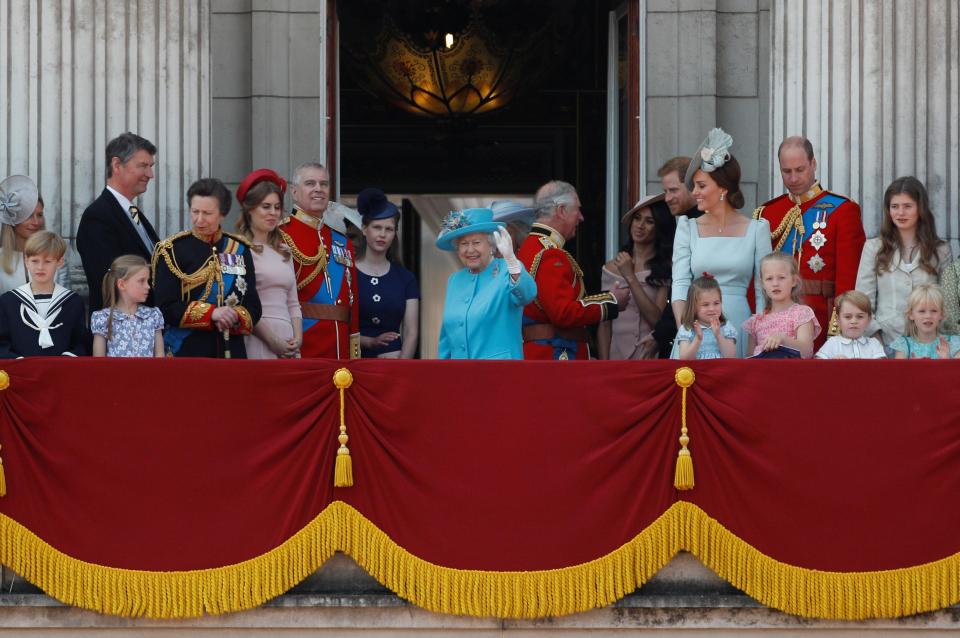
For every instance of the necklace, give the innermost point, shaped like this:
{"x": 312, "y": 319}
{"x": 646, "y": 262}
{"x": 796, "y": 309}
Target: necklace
{"x": 911, "y": 251}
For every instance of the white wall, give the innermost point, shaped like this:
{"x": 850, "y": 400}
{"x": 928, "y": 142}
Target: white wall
{"x": 874, "y": 85}
{"x": 75, "y": 74}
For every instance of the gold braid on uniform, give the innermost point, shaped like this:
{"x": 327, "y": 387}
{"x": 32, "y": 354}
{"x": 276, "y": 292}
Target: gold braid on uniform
{"x": 319, "y": 260}
{"x": 206, "y": 274}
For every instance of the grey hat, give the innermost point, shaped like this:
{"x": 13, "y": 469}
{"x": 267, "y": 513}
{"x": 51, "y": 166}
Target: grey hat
{"x": 18, "y": 198}
{"x": 712, "y": 153}
{"x": 337, "y": 214}
{"x": 507, "y": 211}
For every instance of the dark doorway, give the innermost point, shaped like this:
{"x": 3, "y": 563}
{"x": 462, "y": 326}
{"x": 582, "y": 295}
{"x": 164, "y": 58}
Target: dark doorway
{"x": 552, "y": 127}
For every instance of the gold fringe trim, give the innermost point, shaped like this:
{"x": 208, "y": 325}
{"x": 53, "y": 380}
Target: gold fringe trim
{"x": 600, "y": 582}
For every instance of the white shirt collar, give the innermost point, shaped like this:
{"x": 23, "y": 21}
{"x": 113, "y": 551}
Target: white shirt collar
{"x": 125, "y": 203}
{"x": 862, "y": 340}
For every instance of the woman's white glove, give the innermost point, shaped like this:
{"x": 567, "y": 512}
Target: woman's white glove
{"x": 505, "y": 246}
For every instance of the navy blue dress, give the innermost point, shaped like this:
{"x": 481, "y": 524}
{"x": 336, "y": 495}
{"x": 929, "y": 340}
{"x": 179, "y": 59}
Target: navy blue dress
{"x": 383, "y": 301}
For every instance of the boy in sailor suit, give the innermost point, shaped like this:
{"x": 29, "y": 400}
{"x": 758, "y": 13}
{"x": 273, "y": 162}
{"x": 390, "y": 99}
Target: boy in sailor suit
{"x": 41, "y": 317}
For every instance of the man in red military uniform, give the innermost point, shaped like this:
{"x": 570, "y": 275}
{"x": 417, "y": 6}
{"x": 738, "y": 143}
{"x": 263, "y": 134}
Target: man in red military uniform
{"x": 555, "y": 324}
{"x": 823, "y": 231}
{"x": 325, "y": 269}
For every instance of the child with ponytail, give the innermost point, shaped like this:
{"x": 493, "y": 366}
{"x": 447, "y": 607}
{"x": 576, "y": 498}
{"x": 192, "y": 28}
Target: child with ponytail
{"x": 125, "y": 327}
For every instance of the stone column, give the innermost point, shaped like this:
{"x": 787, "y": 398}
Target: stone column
{"x": 75, "y": 74}
{"x": 269, "y": 86}
{"x": 873, "y": 84}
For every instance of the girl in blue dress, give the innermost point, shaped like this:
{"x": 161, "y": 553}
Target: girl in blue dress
{"x": 704, "y": 332}
{"x": 923, "y": 339}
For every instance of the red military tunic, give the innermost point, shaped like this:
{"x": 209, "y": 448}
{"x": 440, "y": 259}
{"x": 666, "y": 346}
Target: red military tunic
{"x": 326, "y": 286}
{"x": 554, "y": 325}
{"x": 824, "y": 233}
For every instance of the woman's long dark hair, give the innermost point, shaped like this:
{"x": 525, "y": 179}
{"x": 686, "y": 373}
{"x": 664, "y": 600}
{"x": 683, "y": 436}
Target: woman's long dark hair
{"x": 665, "y": 227}
{"x": 926, "y": 228}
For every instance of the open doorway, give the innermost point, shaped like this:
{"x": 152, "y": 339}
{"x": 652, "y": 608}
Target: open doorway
{"x": 547, "y": 120}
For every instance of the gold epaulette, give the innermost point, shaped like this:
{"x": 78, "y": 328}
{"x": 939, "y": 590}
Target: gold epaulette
{"x": 758, "y": 212}
{"x": 284, "y": 221}
{"x": 203, "y": 276}
{"x": 238, "y": 238}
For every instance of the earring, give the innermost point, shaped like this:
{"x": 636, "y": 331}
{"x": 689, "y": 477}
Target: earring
{"x": 722, "y": 195}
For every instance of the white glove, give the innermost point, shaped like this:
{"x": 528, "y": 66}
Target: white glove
{"x": 505, "y": 246}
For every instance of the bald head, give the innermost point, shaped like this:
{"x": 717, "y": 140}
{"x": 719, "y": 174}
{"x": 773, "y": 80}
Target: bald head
{"x": 797, "y": 141}
{"x": 798, "y": 167}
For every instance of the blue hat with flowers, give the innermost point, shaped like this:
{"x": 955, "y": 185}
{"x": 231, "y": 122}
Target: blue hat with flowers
{"x": 458, "y": 223}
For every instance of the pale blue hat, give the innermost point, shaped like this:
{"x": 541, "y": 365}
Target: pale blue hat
{"x": 458, "y": 223}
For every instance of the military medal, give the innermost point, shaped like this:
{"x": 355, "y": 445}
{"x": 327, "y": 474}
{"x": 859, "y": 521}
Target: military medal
{"x": 818, "y": 239}
{"x": 241, "y": 285}
{"x": 232, "y": 264}
{"x": 816, "y": 263}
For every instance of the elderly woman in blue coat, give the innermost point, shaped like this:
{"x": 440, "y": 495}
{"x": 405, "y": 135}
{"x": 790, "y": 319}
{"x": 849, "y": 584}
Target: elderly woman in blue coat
{"x": 485, "y": 300}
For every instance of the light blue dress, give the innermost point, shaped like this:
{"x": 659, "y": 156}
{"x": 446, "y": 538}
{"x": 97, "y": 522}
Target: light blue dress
{"x": 709, "y": 348}
{"x": 732, "y": 260}
{"x": 917, "y": 350}
{"x": 482, "y": 313}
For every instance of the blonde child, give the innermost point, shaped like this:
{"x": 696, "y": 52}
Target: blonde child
{"x": 125, "y": 327}
{"x": 923, "y": 339}
{"x": 41, "y": 317}
{"x": 853, "y": 314}
{"x": 704, "y": 332}
{"x": 785, "y": 329}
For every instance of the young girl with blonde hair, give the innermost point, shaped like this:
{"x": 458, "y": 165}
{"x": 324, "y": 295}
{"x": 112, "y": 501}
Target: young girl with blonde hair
{"x": 125, "y": 327}
{"x": 923, "y": 339}
{"x": 785, "y": 329}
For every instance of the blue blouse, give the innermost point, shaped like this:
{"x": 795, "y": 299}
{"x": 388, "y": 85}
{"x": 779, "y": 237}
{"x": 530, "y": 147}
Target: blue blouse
{"x": 483, "y": 312}
{"x": 383, "y": 302}
{"x": 130, "y": 335}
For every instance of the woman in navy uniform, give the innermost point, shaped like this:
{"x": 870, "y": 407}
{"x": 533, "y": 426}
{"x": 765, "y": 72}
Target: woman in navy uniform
{"x": 205, "y": 284}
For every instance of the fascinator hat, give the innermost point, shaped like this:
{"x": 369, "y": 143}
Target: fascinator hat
{"x": 713, "y": 153}
{"x": 458, "y": 223}
{"x": 257, "y": 176}
{"x": 372, "y": 203}
{"x": 506, "y": 211}
{"x": 18, "y": 198}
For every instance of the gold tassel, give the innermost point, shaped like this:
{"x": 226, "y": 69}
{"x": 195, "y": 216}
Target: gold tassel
{"x": 3, "y": 480}
{"x": 4, "y": 384}
{"x": 683, "y": 475}
{"x": 834, "y": 328}
{"x": 343, "y": 468}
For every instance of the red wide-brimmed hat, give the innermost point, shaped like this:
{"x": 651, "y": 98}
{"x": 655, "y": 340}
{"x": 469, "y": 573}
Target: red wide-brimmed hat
{"x": 257, "y": 176}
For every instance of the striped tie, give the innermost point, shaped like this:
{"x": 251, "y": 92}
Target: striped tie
{"x": 135, "y": 213}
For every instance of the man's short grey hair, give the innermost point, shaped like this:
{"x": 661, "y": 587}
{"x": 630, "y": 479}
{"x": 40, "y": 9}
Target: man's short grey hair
{"x": 295, "y": 178}
{"x": 123, "y": 148}
{"x": 551, "y": 195}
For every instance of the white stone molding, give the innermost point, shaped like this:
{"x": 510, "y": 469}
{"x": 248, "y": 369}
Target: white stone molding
{"x": 874, "y": 85}
{"x": 75, "y": 74}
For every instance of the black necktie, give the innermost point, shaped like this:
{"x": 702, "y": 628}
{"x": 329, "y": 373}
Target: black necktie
{"x": 135, "y": 213}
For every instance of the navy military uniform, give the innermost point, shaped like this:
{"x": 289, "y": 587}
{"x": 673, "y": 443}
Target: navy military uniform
{"x": 195, "y": 275}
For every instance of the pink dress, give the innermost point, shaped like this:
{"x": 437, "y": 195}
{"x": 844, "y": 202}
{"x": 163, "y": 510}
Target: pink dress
{"x": 786, "y": 322}
{"x": 631, "y": 335}
{"x": 277, "y": 288}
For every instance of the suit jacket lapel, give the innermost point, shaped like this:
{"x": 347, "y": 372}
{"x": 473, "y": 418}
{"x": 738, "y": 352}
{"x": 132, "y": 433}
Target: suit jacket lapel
{"x": 127, "y": 223}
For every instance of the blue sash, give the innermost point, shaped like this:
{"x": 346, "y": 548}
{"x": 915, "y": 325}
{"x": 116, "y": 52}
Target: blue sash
{"x": 559, "y": 345}
{"x": 334, "y": 275}
{"x": 825, "y": 206}
{"x": 173, "y": 337}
